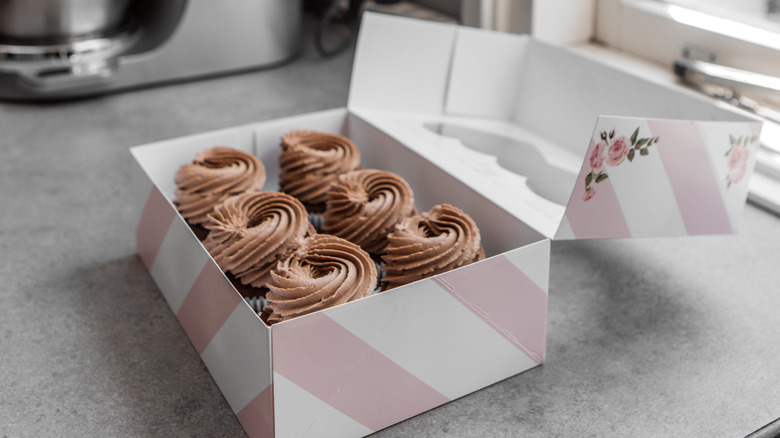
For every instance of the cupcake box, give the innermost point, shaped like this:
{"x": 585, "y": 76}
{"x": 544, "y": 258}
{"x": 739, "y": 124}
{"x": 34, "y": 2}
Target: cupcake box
{"x": 534, "y": 142}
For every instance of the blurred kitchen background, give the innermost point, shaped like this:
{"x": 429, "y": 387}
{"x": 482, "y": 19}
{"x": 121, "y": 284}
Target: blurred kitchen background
{"x": 728, "y": 50}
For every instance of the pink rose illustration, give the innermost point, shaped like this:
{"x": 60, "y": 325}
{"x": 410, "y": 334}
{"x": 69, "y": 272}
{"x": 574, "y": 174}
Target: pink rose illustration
{"x": 737, "y": 157}
{"x": 614, "y": 151}
{"x": 589, "y": 194}
{"x": 739, "y": 173}
{"x": 737, "y": 163}
{"x": 617, "y": 151}
{"x": 597, "y": 156}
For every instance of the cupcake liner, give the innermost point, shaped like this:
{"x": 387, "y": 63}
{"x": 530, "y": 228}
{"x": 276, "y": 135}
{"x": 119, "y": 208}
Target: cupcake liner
{"x": 379, "y": 274}
{"x": 256, "y": 303}
{"x": 199, "y": 230}
{"x": 316, "y": 221}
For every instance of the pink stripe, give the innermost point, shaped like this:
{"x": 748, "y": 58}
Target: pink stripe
{"x": 257, "y": 417}
{"x": 209, "y": 303}
{"x": 334, "y": 365}
{"x": 504, "y": 297}
{"x": 153, "y": 226}
{"x": 599, "y": 217}
{"x": 690, "y": 173}
{"x": 755, "y": 129}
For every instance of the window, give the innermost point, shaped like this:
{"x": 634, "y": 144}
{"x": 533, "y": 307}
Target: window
{"x": 738, "y": 34}
{"x": 738, "y": 38}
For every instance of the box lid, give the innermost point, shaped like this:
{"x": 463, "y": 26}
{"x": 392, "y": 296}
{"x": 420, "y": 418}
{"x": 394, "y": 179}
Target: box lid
{"x": 573, "y": 147}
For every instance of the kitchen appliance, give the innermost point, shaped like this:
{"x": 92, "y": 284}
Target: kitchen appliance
{"x": 52, "y": 50}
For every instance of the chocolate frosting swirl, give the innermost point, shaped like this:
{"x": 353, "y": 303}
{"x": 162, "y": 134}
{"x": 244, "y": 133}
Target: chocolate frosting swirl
{"x": 214, "y": 175}
{"x": 249, "y": 233}
{"x": 431, "y": 243}
{"x": 365, "y": 205}
{"x": 325, "y": 272}
{"x": 311, "y": 161}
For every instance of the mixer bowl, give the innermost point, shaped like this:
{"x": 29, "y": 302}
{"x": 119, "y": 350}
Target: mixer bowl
{"x": 58, "y": 21}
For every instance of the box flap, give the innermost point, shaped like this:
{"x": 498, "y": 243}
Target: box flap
{"x": 400, "y": 65}
{"x": 513, "y": 119}
{"x": 649, "y": 177}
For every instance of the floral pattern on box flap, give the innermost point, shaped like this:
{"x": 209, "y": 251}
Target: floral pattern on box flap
{"x": 657, "y": 177}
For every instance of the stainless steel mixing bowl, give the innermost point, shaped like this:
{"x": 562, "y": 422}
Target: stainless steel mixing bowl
{"x": 56, "y": 21}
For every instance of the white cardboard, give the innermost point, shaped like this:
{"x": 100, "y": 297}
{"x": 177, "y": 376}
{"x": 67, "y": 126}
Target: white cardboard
{"x": 419, "y": 89}
{"x": 484, "y": 72}
{"x": 324, "y": 421}
{"x": 178, "y": 263}
{"x": 445, "y": 333}
{"x": 239, "y": 357}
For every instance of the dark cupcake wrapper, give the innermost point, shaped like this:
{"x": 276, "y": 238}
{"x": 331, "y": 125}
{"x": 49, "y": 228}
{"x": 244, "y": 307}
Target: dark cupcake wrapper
{"x": 256, "y": 303}
{"x": 316, "y": 221}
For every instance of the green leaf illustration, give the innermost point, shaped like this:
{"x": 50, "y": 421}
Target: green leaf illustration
{"x": 588, "y": 179}
{"x": 611, "y": 134}
{"x": 642, "y": 142}
{"x": 601, "y": 177}
{"x": 643, "y": 152}
{"x": 732, "y": 140}
{"x": 603, "y": 135}
{"x": 631, "y": 155}
{"x": 633, "y": 136}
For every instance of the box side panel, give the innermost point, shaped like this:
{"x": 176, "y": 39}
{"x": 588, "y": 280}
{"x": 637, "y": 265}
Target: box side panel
{"x": 299, "y": 413}
{"x": 169, "y": 249}
{"x": 232, "y": 341}
{"x": 509, "y": 292}
{"x": 486, "y": 74}
{"x": 732, "y": 148}
{"x": 383, "y": 359}
{"x": 655, "y": 177}
{"x": 239, "y": 359}
{"x": 401, "y": 64}
{"x": 141, "y": 187}
{"x": 154, "y": 215}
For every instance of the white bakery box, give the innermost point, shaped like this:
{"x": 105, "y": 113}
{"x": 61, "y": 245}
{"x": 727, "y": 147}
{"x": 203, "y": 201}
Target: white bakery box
{"x": 534, "y": 142}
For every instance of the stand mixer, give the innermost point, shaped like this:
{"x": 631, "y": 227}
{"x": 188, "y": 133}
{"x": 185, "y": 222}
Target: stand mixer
{"x": 52, "y": 50}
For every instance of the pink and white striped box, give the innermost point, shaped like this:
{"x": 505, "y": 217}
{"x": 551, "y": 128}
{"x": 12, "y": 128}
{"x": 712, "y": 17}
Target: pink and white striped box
{"x": 498, "y": 125}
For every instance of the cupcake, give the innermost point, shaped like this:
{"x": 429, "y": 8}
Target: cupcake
{"x": 430, "y": 243}
{"x": 364, "y": 205}
{"x": 213, "y": 176}
{"x": 326, "y": 271}
{"x": 250, "y": 233}
{"x": 311, "y": 161}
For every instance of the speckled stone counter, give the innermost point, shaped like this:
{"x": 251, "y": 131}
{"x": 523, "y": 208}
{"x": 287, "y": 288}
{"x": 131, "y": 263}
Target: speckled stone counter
{"x": 646, "y": 337}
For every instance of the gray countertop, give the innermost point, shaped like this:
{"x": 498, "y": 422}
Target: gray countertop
{"x": 646, "y": 337}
